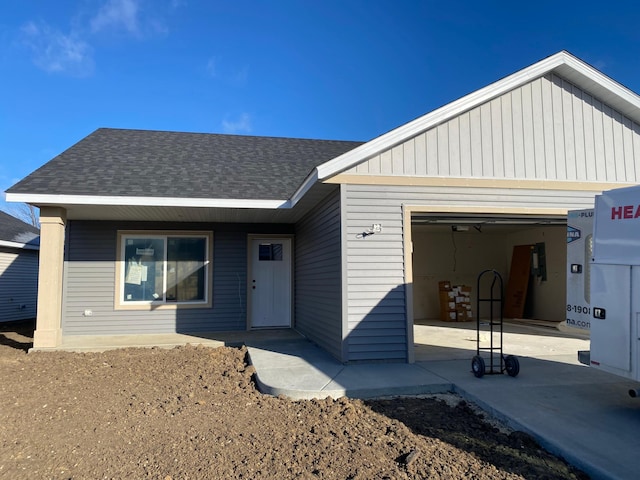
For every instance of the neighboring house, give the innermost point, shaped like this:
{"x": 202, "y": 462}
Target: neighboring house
{"x": 152, "y": 232}
{"x": 19, "y": 245}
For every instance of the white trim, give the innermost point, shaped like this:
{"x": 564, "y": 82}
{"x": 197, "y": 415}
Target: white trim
{"x": 45, "y": 199}
{"x": 162, "y": 303}
{"x": 25, "y": 246}
{"x": 419, "y": 125}
{"x": 309, "y": 182}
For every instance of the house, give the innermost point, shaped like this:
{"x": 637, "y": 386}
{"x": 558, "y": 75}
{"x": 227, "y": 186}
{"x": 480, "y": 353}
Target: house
{"x": 19, "y": 244}
{"x": 156, "y": 232}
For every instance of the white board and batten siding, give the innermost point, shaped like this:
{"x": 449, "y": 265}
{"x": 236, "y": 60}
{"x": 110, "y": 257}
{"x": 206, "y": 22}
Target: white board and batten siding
{"x": 547, "y": 129}
{"x": 18, "y": 284}
{"x": 318, "y": 274}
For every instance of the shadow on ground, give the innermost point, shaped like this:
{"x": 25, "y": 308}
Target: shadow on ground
{"x": 18, "y": 335}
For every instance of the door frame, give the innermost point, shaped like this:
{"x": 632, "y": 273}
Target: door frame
{"x": 250, "y": 239}
{"x": 408, "y": 209}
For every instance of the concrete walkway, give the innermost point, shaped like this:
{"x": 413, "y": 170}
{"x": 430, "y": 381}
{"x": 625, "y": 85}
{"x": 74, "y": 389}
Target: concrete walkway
{"x": 576, "y": 412}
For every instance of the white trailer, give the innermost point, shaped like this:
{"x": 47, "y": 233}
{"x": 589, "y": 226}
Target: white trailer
{"x": 615, "y": 284}
{"x": 579, "y": 254}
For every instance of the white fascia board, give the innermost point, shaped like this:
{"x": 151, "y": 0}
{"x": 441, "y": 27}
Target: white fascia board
{"x": 457, "y": 107}
{"x": 22, "y": 246}
{"x": 309, "y": 182}
{"x": 44, "y": 199}
{"x": 627, "y": 97}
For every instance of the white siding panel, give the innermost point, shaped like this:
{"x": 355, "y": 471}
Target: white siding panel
{"x": 569, "y": 126}
{"x": 558, "y": 119}
{"x": 453, "y": 142}
{"x": 547, "y": 129}
{"x": 636, "y": 152}
{"x": 442, "y": 137}
{"x": 508, "y": 159}
{"x": 375, "y": 165}
{"x": 421, "y": 155}
{"x": 517, "y": 127}
{"x": 465, "y": 145}
{"x": 627, "y": 134}
{"x": 409, "y": 159}
{"x": 617, "y": 125}
{"x": 432, "y": 152}
{"x": 476, "y": 142}
{"x": 528, "y": 133}
{"x": 397, "y": 160}
{"x": 598, "y": 140}
{"x": 609, "y": 150}
{"x": 386, "y": 165}
{"x": 589, "y": 137}
{"x": 538, "y": 130}
{"x": 486, "y": 130}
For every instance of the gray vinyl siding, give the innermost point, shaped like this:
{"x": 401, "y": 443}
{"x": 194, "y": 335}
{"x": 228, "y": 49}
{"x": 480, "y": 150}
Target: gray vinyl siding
{"x": 18, "y": 284}
{"x": 89, "y": 281}
{"x": 318, "y": 312}
{"x": 548, "y": 129}
{"x": 376, "y": 311}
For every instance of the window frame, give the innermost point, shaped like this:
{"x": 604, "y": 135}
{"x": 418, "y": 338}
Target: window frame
{"x": 164, "y": 235}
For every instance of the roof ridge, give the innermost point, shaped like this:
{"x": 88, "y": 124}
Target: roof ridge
{"x": 178, "y": 132}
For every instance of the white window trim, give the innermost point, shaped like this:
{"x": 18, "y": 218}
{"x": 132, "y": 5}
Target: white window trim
{"x": 120, "y": 304}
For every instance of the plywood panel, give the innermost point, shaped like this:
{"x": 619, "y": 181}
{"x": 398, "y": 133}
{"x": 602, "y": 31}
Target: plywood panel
{"x": 519, "y": 273}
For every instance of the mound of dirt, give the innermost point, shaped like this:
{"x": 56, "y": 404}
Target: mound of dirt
{"x": 194, "y": 413}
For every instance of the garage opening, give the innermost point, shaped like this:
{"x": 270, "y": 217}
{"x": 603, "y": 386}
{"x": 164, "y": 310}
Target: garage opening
{"x": 529, "y": 252}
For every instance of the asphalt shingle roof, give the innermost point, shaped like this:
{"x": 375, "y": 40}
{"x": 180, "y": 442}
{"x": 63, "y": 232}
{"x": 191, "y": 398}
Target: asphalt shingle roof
{"x": 113, "y": 162}
{"x": 15, "y": 230}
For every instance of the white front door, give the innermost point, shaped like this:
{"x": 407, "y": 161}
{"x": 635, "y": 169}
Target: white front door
{"x": 270, "y": 282}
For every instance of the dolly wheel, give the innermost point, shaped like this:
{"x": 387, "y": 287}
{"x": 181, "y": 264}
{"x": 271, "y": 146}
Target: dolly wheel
{"x": 477, "y": 366}
{"x": 511, "y": 365}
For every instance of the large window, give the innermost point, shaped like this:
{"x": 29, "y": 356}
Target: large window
{"x": 163, "y": 269}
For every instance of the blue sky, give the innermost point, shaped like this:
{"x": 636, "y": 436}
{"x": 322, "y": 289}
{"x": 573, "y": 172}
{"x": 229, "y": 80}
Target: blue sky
{"x": 325, "y": 69}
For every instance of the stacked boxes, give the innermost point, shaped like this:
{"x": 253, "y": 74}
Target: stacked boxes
{"x": 455, "y": 302}
{"x": 447, "y": 302}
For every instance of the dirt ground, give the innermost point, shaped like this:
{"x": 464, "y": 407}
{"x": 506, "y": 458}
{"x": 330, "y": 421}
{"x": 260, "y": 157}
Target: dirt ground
{"x": 194, "y": 413}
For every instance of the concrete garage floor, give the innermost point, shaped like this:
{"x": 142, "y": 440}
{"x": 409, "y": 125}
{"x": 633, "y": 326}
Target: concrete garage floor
{"x": 437, "y": 340}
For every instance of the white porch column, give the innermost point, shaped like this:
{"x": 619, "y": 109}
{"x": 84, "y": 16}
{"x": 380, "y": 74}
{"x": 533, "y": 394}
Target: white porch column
{"x": 48, "y": 333}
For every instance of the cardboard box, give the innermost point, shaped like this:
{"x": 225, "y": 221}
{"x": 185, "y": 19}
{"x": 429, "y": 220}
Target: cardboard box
{"x": 448, "y": 316}
{"x": 447, "y": 305}
{"x": 455, "y": 302}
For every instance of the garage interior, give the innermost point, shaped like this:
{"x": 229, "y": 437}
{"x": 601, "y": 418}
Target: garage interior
{"x": 457, "y": 248}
